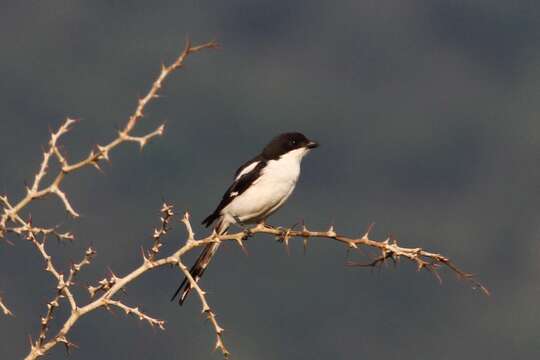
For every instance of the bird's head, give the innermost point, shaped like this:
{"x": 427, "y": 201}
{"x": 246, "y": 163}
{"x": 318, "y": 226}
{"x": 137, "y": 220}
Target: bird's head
{"x": 293, "y": 142}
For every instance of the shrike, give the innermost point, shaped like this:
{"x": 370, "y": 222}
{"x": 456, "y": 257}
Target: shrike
{"x": 261, "y": 186}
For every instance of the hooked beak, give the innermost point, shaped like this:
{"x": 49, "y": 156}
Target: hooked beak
{"x": 312, "y": 145}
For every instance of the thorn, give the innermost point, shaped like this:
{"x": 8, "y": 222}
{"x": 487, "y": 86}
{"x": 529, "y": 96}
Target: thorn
{"x": 161, "y": 129}
{"x": 331, "y": 232}
{"x": 240, "y": 243}
{"x": 142, "y": 143}
{"x": 436, "y": 274}
{"x": 368, "y": 230}
{"x": 145, "y": 259}
{"x": 286, "y": 244}
{"x": 103, "y": 152}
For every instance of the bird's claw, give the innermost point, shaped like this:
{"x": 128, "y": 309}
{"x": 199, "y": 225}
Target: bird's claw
{"x": 243, "y": 227}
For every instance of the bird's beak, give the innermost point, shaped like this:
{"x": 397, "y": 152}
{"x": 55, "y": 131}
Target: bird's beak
{"x": 312, "y": 145}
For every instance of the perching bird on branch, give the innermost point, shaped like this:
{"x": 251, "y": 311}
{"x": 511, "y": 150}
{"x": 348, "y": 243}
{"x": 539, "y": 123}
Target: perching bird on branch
{"x": 261, "y": 186}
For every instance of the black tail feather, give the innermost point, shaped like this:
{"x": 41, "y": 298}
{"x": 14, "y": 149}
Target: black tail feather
{"x": 178, "y": 290}
{"x": 200, "y": 265}
{"x": 196, "y": 271}
{"x": 210, "y": 219}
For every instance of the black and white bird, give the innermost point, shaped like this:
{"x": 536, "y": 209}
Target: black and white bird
{"x": 261, "y": 186}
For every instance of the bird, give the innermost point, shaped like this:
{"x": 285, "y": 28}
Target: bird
{"x": 260, "y": 187}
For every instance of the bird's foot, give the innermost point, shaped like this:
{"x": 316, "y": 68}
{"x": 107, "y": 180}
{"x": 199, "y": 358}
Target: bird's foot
{"x": 242, "y": 227}
{"x": 246, "y": 234}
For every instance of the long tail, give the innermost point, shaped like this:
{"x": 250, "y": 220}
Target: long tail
{"x": 199, "y": 267}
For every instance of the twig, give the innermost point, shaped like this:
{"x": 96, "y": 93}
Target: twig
{"x": 389, "y": 248}
{"x": 166, "y": 215}
{"x": 4, "y": 308}
{"x": 62, "y": 287}
{"x": 206, "y": 309}
{"x": 12, "y": 221}
{"x": 110, "y": 287}
{"x": 36, "y": 191}
{"x": 137, "y": 313}
{"x": 114, "y": 284}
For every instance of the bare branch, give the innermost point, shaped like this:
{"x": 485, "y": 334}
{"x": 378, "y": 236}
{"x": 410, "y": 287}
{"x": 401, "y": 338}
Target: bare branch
{"x": 53, "y": 149}
{"x": 62, "y": 287}
{"x": 166, "y": 215}
{"x": 206, "y": 309}
{"x": 63, "y": 197}
{"x": 113, "y": 285}
{"x": 103, "y": 285}
{"x": 76, "y": 268}
{"x": 389, "y": 249}
{"x": 189, "y": 228}
{"x": 12, "y": 221}
{"x": 10, "y": 213}
{"x": 158, "y": 83}
{"x": 137, "y": 313}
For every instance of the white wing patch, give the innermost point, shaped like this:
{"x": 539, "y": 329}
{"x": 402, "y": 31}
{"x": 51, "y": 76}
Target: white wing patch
{"x": 233, "y": 194}
{"x": 245, "y": 171}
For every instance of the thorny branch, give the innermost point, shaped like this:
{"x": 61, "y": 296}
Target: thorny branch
{"x": 111, "y": 286}
{"x": 220, "y": 345}
{"x": 166, "y": 216}
{"x": 388, "y": 248}
{"x": 11, "y": 213}
{"x": 42, "y": 345}
{"x": 137, "y": 313}
{"x": 37, "y": 191}
{"x": 63, "y": 287}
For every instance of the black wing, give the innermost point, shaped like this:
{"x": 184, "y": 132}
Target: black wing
{"x": 257, "y": 158}
{"x": 237, "y": 188}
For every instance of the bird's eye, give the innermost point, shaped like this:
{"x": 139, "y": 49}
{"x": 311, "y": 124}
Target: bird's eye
{"x": 292, "y": 142}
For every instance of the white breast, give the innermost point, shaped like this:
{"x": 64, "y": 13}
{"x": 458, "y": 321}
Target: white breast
{"x": 269, "y": 191}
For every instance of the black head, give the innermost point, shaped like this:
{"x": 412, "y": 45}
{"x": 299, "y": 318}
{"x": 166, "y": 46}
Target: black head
{"x": 286, "y": 142}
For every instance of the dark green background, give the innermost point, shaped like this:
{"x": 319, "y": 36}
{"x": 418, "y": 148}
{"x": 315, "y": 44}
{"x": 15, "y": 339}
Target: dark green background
{"x": 428, "y": 116}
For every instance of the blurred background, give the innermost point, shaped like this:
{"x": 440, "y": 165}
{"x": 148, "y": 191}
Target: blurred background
{"x": 427, "y": 112}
